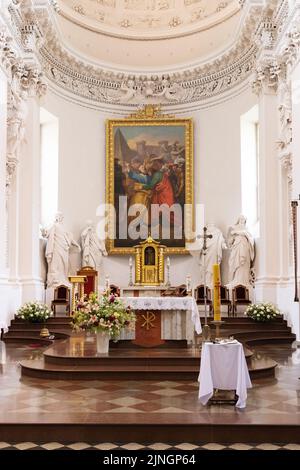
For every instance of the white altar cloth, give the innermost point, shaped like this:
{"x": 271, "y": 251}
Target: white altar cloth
{"x": 224, "y": 367}
{"x": 166, "y": 303}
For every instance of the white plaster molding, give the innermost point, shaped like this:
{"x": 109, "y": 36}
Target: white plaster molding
{"x": 26, "y": 80}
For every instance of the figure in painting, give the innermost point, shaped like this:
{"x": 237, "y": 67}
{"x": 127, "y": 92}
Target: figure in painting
{"x": 59, "y": 244}
{"x": 93, "y": 249}
{"x": 150, "y": 172}
{"x": 241, "y": 244}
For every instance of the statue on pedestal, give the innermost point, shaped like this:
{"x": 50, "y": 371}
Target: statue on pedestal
{"x": 242, "y": 254}
{"x": 59, "y": 244}
{"x": 93, "y": 249}
{"x": 214, "y": 253}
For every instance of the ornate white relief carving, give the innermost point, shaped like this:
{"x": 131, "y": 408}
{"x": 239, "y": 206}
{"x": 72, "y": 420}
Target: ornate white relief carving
{"x": 189, "y": 86}
{"x": 267, "y": 75}
{"x": 285, "y": 116}
{"x": 25, "y": 80}
{"x": 291, "y": 50}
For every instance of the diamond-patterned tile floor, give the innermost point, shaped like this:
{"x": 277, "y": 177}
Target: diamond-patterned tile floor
{"x": 23, "y": 399}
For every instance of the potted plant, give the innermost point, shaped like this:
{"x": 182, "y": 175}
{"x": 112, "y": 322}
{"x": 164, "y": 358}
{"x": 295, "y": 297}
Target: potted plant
{"x": 262, "y": 312}
{"x": 105, "y": 315}
{"x": 34, "y": 312}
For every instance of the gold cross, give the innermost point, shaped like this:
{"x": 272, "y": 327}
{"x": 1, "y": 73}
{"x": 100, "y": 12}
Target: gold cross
{"x": 149, "y": 321}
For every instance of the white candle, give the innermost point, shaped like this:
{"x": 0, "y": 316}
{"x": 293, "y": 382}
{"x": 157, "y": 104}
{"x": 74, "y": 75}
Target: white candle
{"x": 188, "y": 283}
{"x": 168, "y": 262}
{"x": 130, "y": 262}
{"x": 106, "y": 282}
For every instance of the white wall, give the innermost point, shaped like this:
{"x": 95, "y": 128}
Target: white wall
{"x": 82, "y": 170}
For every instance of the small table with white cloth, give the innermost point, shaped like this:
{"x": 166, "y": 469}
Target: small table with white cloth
{"x": 224, "y": 367}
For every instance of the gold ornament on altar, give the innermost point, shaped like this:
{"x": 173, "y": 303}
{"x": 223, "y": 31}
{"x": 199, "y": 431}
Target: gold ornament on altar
{"x": 77, "y": 289}
{"x": 149, "y": 263}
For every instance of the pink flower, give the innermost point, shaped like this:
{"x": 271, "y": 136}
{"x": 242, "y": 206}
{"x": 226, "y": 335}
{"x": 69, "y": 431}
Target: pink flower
{"x": 112, "y": 299}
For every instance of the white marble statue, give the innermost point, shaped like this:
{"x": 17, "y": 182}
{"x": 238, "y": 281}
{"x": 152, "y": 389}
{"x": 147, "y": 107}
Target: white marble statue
{"x": 59, "y": 244}
{"x": 242, "y": 253}
{"x": 93, "y": 249}
{"x": 214, "y": 254}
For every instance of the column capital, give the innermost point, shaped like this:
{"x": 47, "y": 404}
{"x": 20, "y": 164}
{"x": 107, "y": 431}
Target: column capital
{"x": 267, "y": 75}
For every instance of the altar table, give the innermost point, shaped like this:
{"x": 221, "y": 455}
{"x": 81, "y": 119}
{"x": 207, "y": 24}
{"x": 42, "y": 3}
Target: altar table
{"x": 224, "y": 367}
{"x": 169, "y": 311}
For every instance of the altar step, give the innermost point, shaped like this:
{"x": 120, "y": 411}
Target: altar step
{"x": 242, "y": 328}
{"x": 130, "y": 364}
{"x": 40, "y": 369}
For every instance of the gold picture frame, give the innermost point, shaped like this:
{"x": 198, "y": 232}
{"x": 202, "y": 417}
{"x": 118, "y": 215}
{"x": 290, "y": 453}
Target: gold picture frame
{"x": 148, "y": 120}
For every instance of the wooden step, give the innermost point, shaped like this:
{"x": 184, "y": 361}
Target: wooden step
{"x": 38, "y": 368}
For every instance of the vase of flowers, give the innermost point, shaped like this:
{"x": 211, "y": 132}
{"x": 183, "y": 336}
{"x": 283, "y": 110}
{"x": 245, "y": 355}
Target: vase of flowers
{"x": 104, "y": 315}
{"x": 34, "y": 312}
{"x": 263, "y": 312}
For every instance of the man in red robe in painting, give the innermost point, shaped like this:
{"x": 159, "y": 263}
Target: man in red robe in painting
{"x": 162, "y": 188}
{"x": 160, "y": 184}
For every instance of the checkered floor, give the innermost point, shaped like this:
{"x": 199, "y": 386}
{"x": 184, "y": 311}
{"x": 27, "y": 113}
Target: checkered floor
{"x": 136, "y": 447}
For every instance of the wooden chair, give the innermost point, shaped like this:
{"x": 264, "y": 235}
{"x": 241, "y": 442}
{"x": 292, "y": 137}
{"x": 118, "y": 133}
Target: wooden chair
{"x": 115, "y": 290}
{"x": 240, "y": 296}
{"x": 225, "y": 300}
{"x": 199, "y": 295}
{"x": 91, "y": 284}
{"x": 61, "y": 297}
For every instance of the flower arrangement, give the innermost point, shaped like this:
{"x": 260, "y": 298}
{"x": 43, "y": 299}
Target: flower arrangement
{"x": 34, "y": 312}
{"x": 106, "y": 313}
{"x": 263, "y": 312}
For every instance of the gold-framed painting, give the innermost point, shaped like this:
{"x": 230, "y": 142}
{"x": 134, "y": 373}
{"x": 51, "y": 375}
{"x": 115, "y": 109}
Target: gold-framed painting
{"x": 149, "y": 181}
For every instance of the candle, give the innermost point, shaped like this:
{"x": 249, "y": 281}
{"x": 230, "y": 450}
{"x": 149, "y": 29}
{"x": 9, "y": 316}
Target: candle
{"x": 107, "y": 282}
{"x": 168, "y": 262}
{"x": 217, "y": 292}
{"x": 188, "y": 283}
{"x": 130, "y": 262}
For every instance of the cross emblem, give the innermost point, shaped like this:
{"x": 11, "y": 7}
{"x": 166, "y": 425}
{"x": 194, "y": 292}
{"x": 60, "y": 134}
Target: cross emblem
{"x": 149, "y": 319}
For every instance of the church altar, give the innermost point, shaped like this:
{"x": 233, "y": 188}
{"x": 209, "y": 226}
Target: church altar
{"x": 160, "y": 319}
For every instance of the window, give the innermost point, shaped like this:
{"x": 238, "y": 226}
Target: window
{"x": 250, "y": 169}
{"x": 49, "y": 166}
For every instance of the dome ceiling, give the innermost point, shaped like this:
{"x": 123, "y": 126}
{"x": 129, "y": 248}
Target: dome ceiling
{"x": 148, "y": 19}
{"x": 148, "y": 35}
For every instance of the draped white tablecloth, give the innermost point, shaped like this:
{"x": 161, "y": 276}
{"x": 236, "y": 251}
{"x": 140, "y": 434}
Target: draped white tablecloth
{"x": 167, "y": 303}
{"x": 224, "y": 367}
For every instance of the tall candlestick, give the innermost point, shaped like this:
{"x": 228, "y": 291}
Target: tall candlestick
{"x": 168, "y": 283}
{"x": 217, "y": 292}
{"x": 107, "y": 283}
{"x": 130, "y": 272}
{"x": 188, "y": 284}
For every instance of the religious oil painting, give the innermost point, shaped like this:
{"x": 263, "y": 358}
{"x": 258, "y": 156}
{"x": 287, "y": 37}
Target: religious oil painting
{"x": 149, "y": 186}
